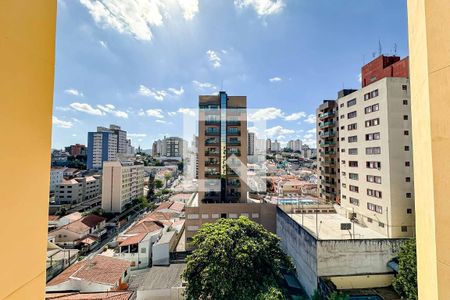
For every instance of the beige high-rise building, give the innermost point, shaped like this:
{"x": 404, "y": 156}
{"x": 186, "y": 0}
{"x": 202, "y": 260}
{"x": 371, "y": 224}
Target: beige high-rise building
{"x": 376, "y": 157}
{"x": 222, "y": 149}
{"x": 122, "y": 182}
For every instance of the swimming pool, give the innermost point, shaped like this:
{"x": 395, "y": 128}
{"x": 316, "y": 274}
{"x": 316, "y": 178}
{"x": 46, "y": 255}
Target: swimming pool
{"x": 293, "y": 201}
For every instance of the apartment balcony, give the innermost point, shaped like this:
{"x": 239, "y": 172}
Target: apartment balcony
{"x": 328, "y": 163}
{"x": 328, "y": 193}
{"x": 233, "y": 143}
{"x": 212, "y": 174}
{"x": 211, "y": 163}
{"x": 233, "y": 132}
{"x": 231, "y": 173}
{"x": 233, "y": 196}
{"x": 212, "y": 194}
{"x": 209, "y": 106}
{"x": 212, "y": 122}
{"x": 212, "y": 142}
{"x": 327, "y": 124}
{"x": 212, "y": 153}
{"x": 234, "y": 183}
{"x": 328, "y": 153}
{"x": 212, "y": 132}
{"x": 328, "y": 134}
{"x": 328, "y": 182}
{"x": 237, "y": 153}
{"x": 233, "y": 123}
{"x": 328, "y": 143}
{"x": 327, "y": 115}
{"x": 328, "y": 172}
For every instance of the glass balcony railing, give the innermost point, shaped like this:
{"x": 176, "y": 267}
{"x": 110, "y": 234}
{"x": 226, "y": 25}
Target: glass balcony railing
{"x": 327, "y": 124}
{"x": 328, "y": 134}
{"x": 330, "y": 143}
{"x": 212, "y": 153}
{"x": 235, "y": 195}
{"x": 234, "y": 152}
{"x": 327, "y": 153}
{"x": 212, "y": 122}
{"x": 211, "y": 163}
{"x": 211, "y": 142}
{"x": 212, "y": 132}
{"x": 212, "y": 174}
{"x": 234, "y": 142}
{"x": 233, "y": 123}
{"x": 233, "y": 132}
{"x": 327, "y": 114}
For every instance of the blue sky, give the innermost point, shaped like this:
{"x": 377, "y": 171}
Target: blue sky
{"x": 142, "y": 64}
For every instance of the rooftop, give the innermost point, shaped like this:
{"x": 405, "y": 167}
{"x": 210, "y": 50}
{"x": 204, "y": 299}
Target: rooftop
{"x": 111, "y": 295}
{"x": 328, "y": 227}
{"x": 157, "y": 277}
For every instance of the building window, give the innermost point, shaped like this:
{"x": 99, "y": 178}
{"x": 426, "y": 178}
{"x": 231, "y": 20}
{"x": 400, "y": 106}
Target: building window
{"x": 255, "y": 215}
{"x": 374, "y": 207}
{"x": 409, "y": 211}
{"x": 407, "y": 164}
{"x": 351, "y": 102}
{"x": 405, "y": 117}
{"x": 406, "y": 132}
{"x": 353, "y": 164}
{"x": 354, "y": 201}
{"x": 343, "y": 162}
{"x": 353, "y": 151}
{"x": 344, "y": 197}
{"x": 342, "y": 127}
{"x": 404, "y": 87}
{"x": 233, "y": 216}
{"x": 405, "y": 102}
{"x": 404, "y": 228}
{"x": 205, "y": 216}
{"x": 373, "y": 165}
{"x": 372, "y": 108}
{"x": 374, "y": 193}
{"x": 381, "y": 224}
{"x": 192, "y": 228}
{"x": 352, "y": 139}
{"x": 353, "y": 176}
{"x": 373, "y": 179}
{"x": 342, "y": 105}
{"x": 353, "y": 188}
{"x": 351, "y": 115}
{"x": 343, "y": 173}
{"x": 371, "y": 95}
{"x": 344, "y": 185}
{"x": 342, "y": 138}
{"x": 408, "y": 195}
{"x": 408, "y": 179}
{"x": 406, "y": 148}
{"x": 373, "y": 150}
{"x": 373, "y": 136}
{"x": 351, "y": 126}
{"x": 373, "y": 122}
{"x": 342, "y": 116}
{"x": 369, "y": 220}
{"x": 342, "y": 150}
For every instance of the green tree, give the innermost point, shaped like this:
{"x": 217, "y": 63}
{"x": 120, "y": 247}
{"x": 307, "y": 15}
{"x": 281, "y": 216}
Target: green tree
{"x": 167, "y": 176}
{"x": 143, "y": 202}
{"x": 62, "y": 211}
{"x": 151, "y": 187}
{"x": 158, "y": 183}
{"x": 234, "y": 259}
{"x": 405, "y": 283}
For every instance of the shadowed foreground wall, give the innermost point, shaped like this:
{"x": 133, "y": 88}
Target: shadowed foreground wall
{"x": 27, "y": 42}
{"x": 429, "y": 44}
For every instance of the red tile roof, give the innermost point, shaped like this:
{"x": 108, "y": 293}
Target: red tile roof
{"x": 135, "y": 239}
{"x": 164, "y": 205}
{"x": 53, "y": 218}
{"x": 100, "y": 269}
{"x": 177, "y": 206}
{"x": 84, "y": 224}
{"x": 125, "y": 295}
{"x": 145, "y": 226}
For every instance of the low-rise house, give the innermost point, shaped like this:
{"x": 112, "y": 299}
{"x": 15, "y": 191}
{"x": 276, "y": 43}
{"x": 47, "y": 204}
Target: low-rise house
{"x": 77, "y": 190}
{"x": 64, "y": 220}
{"x": 98, "y": 274}
{"x": 59, "y": 259}
{"x": 72, "y": 234}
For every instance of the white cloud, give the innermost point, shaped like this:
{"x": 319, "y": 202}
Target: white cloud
{"x": 61, "y": 124}
{"x": 275, "y": 79}
{"x": 155, "y": 113}
{"x": 214, "y": 58}
{"x": 163, "y": 122}
{"x": 61, "y": 108}
{"x": 86, "y": 108}
{"x": 311, "y": 119}
{"x": 172, "y": 113}
{"x": 204, "y": 85}
{"x": 278, "y": 131}
{"x": 262, "y": 7}
{"x": 359, "y": 77}
{"x": 265, "y": 114}
{"x": 176, "y": 92}
{"x": 308, "y": 136}
{"x": 187, "y": 111}
{"x": 312, "y": 130}
{"x": 103, "y": 44}
{"x": 295, "y": 116}
{"x": 134, "y": 135}
{"x": 159, "y": 95}
{"x": 137, "y": 17}
{"x": 74, "y": 92}
{"x": 109, "y": 108}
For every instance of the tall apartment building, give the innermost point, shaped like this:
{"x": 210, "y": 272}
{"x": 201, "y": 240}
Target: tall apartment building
{"x": 222, "y": 142}
{"x": 328, "y": 150}
{"x": 102, "y": 146}
{"x": 275, "y": 146}
{"x": 376, "y": 157}
{"x": 75, "y": 150}
{"x": 169, "y": 147}
{"x": 122, "y": 182}
{"x": 251, "y": 143}
{"x": 122, "y": 143}
{"x": 268, "y": 145}
{"x": 295, "y": 145}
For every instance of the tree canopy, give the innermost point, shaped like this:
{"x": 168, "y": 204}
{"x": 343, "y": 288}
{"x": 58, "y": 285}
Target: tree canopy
{"x": 235, "y": 259}
{"x": 406, "y": 281}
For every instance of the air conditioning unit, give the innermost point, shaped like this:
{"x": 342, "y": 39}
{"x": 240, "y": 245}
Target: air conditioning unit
{"x": 351, "y": 215}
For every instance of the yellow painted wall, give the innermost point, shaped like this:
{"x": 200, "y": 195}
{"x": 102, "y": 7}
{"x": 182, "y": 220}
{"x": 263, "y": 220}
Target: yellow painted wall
{"x": 362, "y": 281}
{"x": 27, "y": 40}
{"x": 429, "y": 44}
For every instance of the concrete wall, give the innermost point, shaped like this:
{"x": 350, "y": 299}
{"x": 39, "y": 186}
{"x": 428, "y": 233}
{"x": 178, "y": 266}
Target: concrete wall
{"x": 429, "y": 44}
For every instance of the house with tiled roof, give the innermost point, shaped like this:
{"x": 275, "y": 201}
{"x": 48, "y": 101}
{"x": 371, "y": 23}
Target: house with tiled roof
{"x": 98, "y": 274}
{"x": 72, "y": 234}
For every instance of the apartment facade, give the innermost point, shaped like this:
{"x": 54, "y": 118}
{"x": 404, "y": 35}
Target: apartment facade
{"x": 376, "y": 157}
{"x": 102, "y": 146}
{"x": 295, "y": 145}
{"x": 78, "y": 189}
{"x": 76, "y": 149}
{"x": 122, "y": 182}
{"x": 251, "y": 143}
{"x": 122, "y": 143}
{"x": 222, "y": 148}
{"x": 327, "y": 125}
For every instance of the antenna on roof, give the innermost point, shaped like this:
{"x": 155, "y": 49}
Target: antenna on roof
{"x": 221, "y": 85}
{"x": 395, "y": 48}
{"x": 380, "y": 49}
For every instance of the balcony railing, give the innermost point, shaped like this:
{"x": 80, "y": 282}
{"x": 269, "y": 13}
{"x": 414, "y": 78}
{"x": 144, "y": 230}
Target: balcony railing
{"x": 212, "y": 153}
{"x": 212, "y": 132}
{"x": 235, "y": 195}
{"x": 234, "y": 143}
{"x": 234, "y": 183}
{"x": 328, "y": 134}
{"x": 233, "y": 123}
{"x": 212, "y": 122}
{"x": 212, "y": 142}
{"x": 237, "y": 153}
{"x": 212, "y": 162}
{"x": 330, "y": 143}
{"x": 209, "y": 106}
{"x": 232, "y": 174}
{"x": 212, "y": 194}
{"x": 327, "y": 124}
{"x": 328, "y": 153}
{"x": 327, "y": 114}
{"x": 233, "y": 132}
{"x": 212, "y": 174}
{"x": 328, "y": 162}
